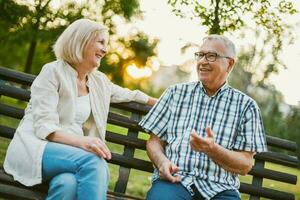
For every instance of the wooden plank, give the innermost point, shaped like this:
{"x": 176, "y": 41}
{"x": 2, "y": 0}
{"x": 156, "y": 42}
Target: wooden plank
{"x": 16, "y": 76}
{"x": 265, "y": 192}
{"x": 273, "y": 175}
{"x": 125, "y": 140}
{"x": 123, "y": 121}
{"x": 131, "y": 162}
{"x": 278, "y": 158}
{"x": 14, "y": 92}
{"x": 7, "y": 132}
{"x": 281, "y": 143}
{"x": 21, "y": 193}
{"x": 11, "y": 111}
{"x": 134, "y": 107}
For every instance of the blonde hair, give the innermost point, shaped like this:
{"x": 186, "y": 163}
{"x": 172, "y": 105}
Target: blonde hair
{"x": 71, "y": 43}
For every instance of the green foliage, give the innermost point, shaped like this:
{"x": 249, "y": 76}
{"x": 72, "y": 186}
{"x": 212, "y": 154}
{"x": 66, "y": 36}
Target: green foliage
{"x": 135, "y": 49}
{"x": 220, "y": 16}
{"x": 30, "y": 28}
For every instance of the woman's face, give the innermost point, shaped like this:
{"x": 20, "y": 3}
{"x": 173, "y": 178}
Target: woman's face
{"x": 94, "y": 51}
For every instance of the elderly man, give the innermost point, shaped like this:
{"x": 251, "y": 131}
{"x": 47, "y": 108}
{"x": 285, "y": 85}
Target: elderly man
{"x": 205, "y": 133}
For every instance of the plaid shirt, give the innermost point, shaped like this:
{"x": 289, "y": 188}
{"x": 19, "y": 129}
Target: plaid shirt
{"x": 234, "y": 118}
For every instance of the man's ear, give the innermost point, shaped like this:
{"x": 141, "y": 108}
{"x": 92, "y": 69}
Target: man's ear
{"x": 231, "y": 63}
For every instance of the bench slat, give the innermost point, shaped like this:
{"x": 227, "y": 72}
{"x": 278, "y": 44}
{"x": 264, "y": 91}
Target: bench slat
{"x": 11, "y": 111}
{"x": 125, "y": 140}
{"x": 17, "y": 193}
{"x": 265, "y": 192}
{"x": 13, "y": 92}
{"x": 274, "y": 175}
{"x": 278, "y": 158}
{"x": 281, "y": 143}
{"x": 131, "y": 162}
{"x": 16, "y": 76}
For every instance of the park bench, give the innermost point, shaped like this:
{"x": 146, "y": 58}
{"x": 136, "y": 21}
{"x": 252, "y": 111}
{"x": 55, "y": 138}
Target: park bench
{"x": 14, "y": 85}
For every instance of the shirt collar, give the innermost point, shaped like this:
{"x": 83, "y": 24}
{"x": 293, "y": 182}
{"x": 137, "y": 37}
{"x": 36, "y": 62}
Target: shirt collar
{"x": 70, "y": 69}
{"x": 74, "y": 73}
{"x": 219, "y": 91}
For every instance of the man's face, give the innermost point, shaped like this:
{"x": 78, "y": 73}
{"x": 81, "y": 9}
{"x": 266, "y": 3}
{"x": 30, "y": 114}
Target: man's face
{"x": 213, "y": 74}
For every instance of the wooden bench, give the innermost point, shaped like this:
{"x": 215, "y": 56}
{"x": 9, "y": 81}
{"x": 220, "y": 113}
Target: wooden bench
{"x": 14, "y": 86}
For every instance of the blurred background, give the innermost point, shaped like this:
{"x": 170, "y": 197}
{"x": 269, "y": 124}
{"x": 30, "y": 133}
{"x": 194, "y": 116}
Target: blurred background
{"x": 152, "y": 45}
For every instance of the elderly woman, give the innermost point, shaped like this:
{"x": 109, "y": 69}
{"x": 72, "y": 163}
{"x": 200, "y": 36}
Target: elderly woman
{"x": 61, "y": 138}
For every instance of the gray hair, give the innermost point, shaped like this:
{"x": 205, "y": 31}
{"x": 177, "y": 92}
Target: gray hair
{"x": 71, "y": 43}
{"x": 229, "y": 45}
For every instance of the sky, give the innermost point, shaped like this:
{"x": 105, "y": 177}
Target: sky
{"x": 174, "y": 32}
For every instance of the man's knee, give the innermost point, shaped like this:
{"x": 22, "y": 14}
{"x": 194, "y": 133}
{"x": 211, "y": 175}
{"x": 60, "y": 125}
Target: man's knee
{"x": 163, "y": 190}
{"x": 227, "y": 195}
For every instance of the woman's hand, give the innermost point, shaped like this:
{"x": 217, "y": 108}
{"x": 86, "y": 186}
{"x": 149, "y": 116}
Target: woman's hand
{"x": 151, "y": 101}
{"x": 91, "y": 144}
{"x": 95, "y": 145}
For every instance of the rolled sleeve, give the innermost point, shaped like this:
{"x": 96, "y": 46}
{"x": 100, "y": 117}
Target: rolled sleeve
{"x": 156, "y": 121}
{"x": 251, "y": 134}
{"x": 44, "y": 101}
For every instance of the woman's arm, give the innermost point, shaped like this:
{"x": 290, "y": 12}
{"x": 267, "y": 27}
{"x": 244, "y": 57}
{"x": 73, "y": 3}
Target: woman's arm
{"x": 91, "y": 144}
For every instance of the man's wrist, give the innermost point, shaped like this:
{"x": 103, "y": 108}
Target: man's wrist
{"x": 213, "y": 149}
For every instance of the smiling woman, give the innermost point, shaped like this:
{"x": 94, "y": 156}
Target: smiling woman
{"x": 61, "y": 137}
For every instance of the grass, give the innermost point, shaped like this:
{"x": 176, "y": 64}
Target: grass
{"x": 140, "y": 182}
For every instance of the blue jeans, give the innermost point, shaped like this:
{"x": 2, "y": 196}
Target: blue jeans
{"x": 74, "y": 173}
{"x": 163, "y": 190}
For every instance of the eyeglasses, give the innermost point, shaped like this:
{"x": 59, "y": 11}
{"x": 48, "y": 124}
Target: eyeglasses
{"x": 209, "y": 56}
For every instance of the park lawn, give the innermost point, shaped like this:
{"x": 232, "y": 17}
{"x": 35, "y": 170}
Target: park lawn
{"x": 140, "y": 182}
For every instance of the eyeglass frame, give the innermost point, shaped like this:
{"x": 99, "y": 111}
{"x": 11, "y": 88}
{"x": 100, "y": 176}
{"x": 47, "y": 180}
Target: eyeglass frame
{"x": 204, "y": 55}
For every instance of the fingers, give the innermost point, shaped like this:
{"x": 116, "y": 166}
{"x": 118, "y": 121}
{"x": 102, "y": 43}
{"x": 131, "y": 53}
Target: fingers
{"x": 167, "y": 170}
{"x": 100, "y": 149}
{"x": 209, "y": 132}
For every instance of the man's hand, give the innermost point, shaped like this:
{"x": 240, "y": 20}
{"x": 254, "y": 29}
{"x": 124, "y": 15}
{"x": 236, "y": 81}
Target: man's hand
{"x": 203, "y": 144}
{"x": 239, "y": 162}
{"x": 166, "y": 170}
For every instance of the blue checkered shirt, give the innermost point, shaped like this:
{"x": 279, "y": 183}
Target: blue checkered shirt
{"x": 234, "y": 118}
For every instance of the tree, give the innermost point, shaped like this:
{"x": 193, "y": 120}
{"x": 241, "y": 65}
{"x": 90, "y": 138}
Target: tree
{"x": 220, "y": 16}
{"x": 33, "y": 26}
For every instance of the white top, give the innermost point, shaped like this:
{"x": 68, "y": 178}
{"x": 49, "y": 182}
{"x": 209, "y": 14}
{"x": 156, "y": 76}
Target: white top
{"x": 83, "y": 109}
{"x": 52, "y": 107}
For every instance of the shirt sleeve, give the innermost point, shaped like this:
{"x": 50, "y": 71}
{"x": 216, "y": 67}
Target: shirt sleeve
{"x": 44, "y": 101}
{"x": 251, "y": 134}
{"x": 156, "y": 121}
{"x": 119, "y": 94}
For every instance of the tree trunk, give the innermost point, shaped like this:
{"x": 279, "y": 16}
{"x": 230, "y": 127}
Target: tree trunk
{"x": 215, "y": 29}
{"x": 30, "y": 56}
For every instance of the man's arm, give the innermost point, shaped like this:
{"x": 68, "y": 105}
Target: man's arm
{"x": 155, "y": 150}
{"x": 239, "y": 162}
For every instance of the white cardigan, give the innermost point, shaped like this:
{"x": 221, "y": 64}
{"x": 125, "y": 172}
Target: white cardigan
{"x": 52, "y": 108}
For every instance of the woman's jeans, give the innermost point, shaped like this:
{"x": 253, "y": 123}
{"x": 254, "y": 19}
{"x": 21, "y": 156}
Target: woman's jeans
{"x": 74, "y": 173}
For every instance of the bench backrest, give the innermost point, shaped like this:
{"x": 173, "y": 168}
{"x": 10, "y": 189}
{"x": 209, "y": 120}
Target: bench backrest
{"x": 15, "y": 85}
